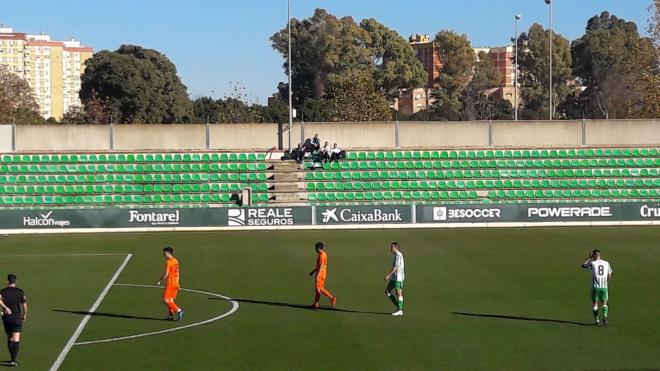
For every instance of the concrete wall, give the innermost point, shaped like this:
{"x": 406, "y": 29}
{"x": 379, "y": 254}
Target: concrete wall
{"x": 624, "y": 132}
{"x": 348, "y": 135}
{"x": 443, "y": 134}
{"x": 242, "y": 136}
{"x": 6, "y": 138}
{"x": 537, "y": 133}
{"x": 159, "y": 137}
{"x": 62, "y": 137}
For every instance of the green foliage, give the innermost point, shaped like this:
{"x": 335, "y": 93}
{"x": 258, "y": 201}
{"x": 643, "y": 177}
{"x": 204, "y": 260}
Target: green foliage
{"x": 609, "y": 60}
{"x": 324, "y": 47}
{"x": 321, "y": 45}
{"x": 17, "y": 102}
{"x": 234, "y": 108}
{"x": 141, "y": 85}
{"x": 228, "y": 110}
{"x": 457, "y": 68}
{"x": 277, "y": 113}
{"x": 477, "y": 100}
{"x": 95, "y": 110}
{"x": 534, "y": 75}
{"x": 353, "y": 97}
{"x": 396, "y": 65}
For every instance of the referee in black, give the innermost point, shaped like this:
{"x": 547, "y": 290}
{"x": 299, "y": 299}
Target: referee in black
{"x": 14, "y": 307}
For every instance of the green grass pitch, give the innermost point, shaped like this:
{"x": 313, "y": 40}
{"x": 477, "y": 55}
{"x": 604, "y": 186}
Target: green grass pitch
{"x": 481, "y": 299}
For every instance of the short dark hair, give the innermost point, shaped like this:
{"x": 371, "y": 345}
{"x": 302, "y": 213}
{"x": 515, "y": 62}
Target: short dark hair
{"x": 168, "y": 249}
{"x": 596, "y": 251}
{"x": 395, "y": 244}
{"x": 11, "y": 278}
{"x": 319, "y": 245}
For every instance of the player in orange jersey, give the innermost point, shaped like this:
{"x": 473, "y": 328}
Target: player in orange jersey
{"x": 171, "y": 278}
{"x": 320, "y": 273}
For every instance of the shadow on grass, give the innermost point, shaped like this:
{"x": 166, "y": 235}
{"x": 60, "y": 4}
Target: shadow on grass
{"x": 296, "y": 306}
{"x": 522, "y": 318}
{"x": 103, "y": 314}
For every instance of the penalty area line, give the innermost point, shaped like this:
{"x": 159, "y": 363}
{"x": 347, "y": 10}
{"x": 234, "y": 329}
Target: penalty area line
{"x": 233, "y": 309}
{"x": 67, "y": 348}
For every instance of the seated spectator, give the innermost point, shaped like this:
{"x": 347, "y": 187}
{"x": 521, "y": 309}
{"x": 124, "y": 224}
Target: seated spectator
{"x": 299, "y": 153}
{"x": 308, "y": 146}
{"x": 336, "y": 153}
{"x": 316, "y": 141}
{"x": 327, "y": 152}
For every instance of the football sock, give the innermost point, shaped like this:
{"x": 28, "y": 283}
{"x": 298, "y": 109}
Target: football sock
{"x": 9, "y": 346}
{"x": 400, "y": 303}
{"x": 605, "y": 310}
{"x": 173, "y": 307}
{"x": 317, "y": 297}
{"x": 595, "y": 311}
{"x": 13, "y": 350}
{"x": 393, "y": 299}
{"x": 326, "y": 293}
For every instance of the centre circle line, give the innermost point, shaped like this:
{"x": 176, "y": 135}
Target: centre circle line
{"x": 233, "y": 310}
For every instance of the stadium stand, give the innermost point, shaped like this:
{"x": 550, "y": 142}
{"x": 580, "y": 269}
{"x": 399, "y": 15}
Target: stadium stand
{"x": 547, "y": 175}
{"x": 130, "y": 179}
{"x": 81, "y": 180}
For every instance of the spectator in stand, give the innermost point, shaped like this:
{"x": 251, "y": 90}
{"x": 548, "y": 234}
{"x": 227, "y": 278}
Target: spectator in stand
{"x": 316, "y": 141}
{"x": 336, "y": 153}
{"x": 299, "y": 153}
{"x": 308, "y": 146}
{"x": 327, "y": 152}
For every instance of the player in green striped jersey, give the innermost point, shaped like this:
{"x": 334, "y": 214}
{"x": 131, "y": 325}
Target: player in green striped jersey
{"x": 601, "y": 273}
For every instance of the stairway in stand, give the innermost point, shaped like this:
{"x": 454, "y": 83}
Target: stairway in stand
{"x": 286, "y": 185}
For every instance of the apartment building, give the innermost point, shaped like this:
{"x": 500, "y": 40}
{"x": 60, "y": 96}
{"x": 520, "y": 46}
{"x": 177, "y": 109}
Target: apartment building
{"x": 52, "y": 68}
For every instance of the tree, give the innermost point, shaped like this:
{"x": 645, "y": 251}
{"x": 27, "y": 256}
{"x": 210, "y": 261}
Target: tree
{"x": 17, "y": 102}
{"x": 234, "y": 108}
{"x": 324, "y": 47}
{"x": 609, "y": 60}
{"x": 396, "y": 65}
{"x": 277, "y": 112}
{"x": 353, "y": 97}
{"x": 648, "y": 88}
{"x": 75, "y": 115}
{"x": 534, "y": 67}
{"x": 456, "y": 72}
{"x": 95, "y": 111}
{"x": 477, "y": 100}
{"x": 140, "y": 84}
{"x": 653, "y": 27}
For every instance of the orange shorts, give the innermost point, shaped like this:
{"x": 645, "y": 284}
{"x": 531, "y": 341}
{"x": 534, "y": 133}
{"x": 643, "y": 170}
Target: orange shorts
{"x": 320, "y": 281}
{"x": 170, "y": 292}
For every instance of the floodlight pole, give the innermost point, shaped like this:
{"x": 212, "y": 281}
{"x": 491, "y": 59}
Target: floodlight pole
{"x": 549, "y": 2}
{"x": 515, "y": 74}
{"x": 290, "y": 89}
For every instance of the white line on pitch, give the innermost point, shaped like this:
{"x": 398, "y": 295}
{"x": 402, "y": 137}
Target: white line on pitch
{"x": 56, "y": 255}
{"x": 58, "y": 362}
{"x": 234, "y": 308}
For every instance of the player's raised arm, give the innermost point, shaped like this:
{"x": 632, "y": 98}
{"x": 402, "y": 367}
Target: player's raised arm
{"x": 587, "y": 263}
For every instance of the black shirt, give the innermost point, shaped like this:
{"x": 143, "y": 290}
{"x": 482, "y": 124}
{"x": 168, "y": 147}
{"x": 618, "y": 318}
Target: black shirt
{"x": 13, "y": 297}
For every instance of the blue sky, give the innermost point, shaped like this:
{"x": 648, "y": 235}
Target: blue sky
{"x": 215, "y": 42}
